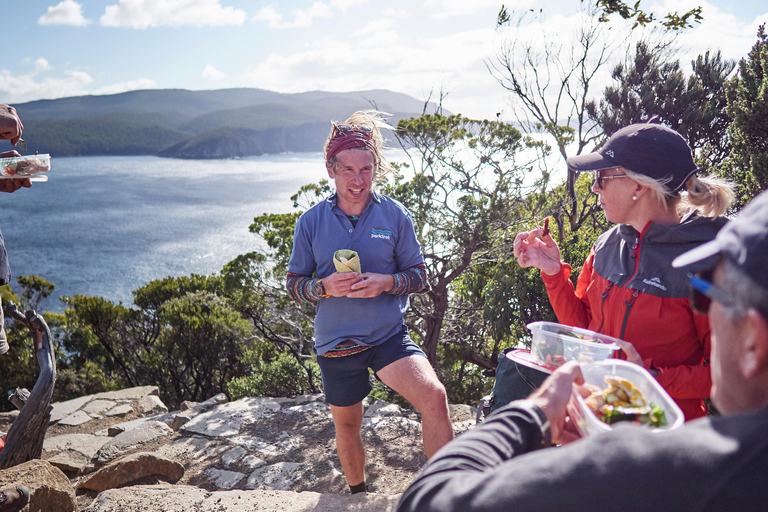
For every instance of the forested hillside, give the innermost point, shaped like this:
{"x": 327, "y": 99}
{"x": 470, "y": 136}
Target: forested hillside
{"x": 196, "y": 124}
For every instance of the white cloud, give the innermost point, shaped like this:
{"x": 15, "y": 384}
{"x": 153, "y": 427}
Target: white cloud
{"x": 67, "y": 12}
{"x": 343, "y": 5}
{"x": 301, "y": 18}
{"x": 42, "y": 65}
{"x": 213, "y": 73}
{"x": 142, "y": 14}
{"x": 21, "y": 88}
{"x": 375, "y": 28}
{"x": 270, "y": 15}
{"x": 450, "y": 8}
{"x": 400, "y": 14}
{"x": 411, "y": 66}
{"x": 131, "y": 85}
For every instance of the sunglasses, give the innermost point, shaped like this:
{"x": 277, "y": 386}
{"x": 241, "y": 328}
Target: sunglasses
{"x": 703, "y": 292}
{"x": 600, "y": 180}
{"x": 346, "y": 128}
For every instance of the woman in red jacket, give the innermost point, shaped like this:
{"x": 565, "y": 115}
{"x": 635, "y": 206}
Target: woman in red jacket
{"x": 627, "y": 288}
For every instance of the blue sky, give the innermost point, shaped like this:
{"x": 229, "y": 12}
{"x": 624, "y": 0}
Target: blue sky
{"x": 74, "y": 47}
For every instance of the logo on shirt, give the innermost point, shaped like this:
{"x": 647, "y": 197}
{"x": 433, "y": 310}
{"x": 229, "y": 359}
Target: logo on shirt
{"x": 655, "y": 282}
{"x": 381, "y": 233}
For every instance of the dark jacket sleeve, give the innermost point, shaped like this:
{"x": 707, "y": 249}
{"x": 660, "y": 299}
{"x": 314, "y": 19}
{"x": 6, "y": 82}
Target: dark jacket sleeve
{"x": 461, "y": 470}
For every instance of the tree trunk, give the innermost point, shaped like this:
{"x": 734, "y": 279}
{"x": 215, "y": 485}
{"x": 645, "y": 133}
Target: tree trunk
{"x": 24, "y": 441}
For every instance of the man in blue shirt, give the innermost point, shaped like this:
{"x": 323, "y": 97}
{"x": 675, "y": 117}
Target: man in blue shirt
{"x": 359, "y": 322}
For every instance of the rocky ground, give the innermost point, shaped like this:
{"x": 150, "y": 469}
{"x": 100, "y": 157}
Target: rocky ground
{"x": 123, "y": 450}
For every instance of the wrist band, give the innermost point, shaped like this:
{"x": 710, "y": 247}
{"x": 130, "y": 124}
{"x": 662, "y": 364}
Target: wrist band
{"x": 319, "y": 289}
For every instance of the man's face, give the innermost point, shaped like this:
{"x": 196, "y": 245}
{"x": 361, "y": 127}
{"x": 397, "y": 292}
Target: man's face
{"x": 729, "y": 386}
{"x": 353, "y": 174}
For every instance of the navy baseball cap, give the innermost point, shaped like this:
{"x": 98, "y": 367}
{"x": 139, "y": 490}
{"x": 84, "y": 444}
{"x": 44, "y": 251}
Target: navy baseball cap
{"x": 649, "y": 149}
{"x": 743, "y": 242}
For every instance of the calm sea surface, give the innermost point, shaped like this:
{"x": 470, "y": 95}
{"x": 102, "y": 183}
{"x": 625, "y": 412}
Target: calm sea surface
{"x": 105, "y": 226}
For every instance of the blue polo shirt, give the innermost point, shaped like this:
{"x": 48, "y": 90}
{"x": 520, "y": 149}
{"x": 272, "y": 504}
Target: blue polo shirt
{"x": 384, "y": 239}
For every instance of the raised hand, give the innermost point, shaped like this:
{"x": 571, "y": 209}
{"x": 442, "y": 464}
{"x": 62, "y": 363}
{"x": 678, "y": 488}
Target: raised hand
{"x": 535, "y": 249}
{"x": 10, "y": 124}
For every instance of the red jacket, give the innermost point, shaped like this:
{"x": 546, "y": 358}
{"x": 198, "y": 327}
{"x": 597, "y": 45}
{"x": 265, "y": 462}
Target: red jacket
{"x": 628, "y": 289}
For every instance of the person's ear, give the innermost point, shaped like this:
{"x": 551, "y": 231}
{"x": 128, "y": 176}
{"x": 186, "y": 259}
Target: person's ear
{"x": 640, "y": 190}
{"x": 754, "y": 355}
{"x": 329, "y": 168}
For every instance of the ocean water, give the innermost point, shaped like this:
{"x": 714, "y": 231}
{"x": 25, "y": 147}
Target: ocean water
{"x": 105, "y": 226}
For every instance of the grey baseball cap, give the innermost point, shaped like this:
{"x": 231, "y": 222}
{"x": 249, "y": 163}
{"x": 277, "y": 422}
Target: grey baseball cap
{"x": 743, "y": 241}
{"x": 649, "y": 149}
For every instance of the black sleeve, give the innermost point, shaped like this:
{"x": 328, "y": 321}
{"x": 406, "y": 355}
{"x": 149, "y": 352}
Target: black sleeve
{"x": 457, "y": 473}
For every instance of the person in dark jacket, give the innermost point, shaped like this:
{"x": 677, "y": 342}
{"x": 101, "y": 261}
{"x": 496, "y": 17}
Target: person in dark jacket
{"x": 712, "y": 464}
{"x": 645, "y": 178}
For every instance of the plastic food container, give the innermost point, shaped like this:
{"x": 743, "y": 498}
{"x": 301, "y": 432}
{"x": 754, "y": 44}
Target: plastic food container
{"x": 31, "y": 166}
{"x": 554, "y": 344}
{"x": 594, "y": 374}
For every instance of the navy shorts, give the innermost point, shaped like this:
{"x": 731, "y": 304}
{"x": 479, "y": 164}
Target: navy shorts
{"x": 346, "y": 380}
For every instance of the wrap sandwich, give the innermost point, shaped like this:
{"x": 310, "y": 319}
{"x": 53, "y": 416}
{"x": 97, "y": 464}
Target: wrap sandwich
{"x": 346, "y": 260}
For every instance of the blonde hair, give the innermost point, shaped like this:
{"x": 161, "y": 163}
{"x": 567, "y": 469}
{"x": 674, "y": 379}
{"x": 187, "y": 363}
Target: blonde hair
{"x": 374, "y": 119}
{"x": 711, "y": 195}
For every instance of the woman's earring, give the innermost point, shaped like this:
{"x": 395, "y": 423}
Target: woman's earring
{"x": 634, "y": 198}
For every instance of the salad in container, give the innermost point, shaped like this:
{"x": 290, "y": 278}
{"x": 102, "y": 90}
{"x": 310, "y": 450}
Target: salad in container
{"x": 553, "y": 344}
{"x": 33, "y": 167}
{"x": 622, "y": 392}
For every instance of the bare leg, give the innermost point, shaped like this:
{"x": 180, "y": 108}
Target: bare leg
{"x": 349, "y": 443}
{"x": 415, "y": 379}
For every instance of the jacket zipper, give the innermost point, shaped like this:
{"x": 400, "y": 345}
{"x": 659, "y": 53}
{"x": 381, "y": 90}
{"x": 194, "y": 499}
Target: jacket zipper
{"x": 628, "y": 303}
{"x": 604, "y": 295}
{"x": 631, "y": 302}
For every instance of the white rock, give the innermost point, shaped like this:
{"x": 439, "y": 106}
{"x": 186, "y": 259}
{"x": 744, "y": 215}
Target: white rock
{"x": 195, "y": 447}
{"x": 120, "y": 410}
{"x": 223, "y": 479}
{"x": 151, "y": 404}
{"x": 63, "y": 409}
{"x": 85, "y": 444}
{"x": 166, "y": 418}
{"x": 389, "y": 428}
{"x": 280, "y": 476}
{"x": 129, "y": 393}
{"x": 459, "y": 427}
{"x": 95, "y": 407}
{"x": 233, "y": 455}
{"x": 227, "y": 419}
{"x": 76, "y": 418}
{"x": 382, "y": 408}
{"x": 256, "y": 444}
{"x": 132, "y": 440}
{"x": 307, "y": 408}
{"x": 253, "y": 462}
{"x": 70, "y": 461}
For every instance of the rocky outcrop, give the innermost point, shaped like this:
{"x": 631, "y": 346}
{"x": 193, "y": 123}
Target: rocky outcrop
{"x": 132, "y": 439}
{"x": 131, "y": 468}
{"x": 164, "y": 498}
{"x": 49, "y": 489}
{"x": 228, "y": 455}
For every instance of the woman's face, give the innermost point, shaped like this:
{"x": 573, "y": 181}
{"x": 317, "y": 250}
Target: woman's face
{"x": 615, "y": 190}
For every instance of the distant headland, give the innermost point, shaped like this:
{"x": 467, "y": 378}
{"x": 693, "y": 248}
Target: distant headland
{"x": 177, "y": 123}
